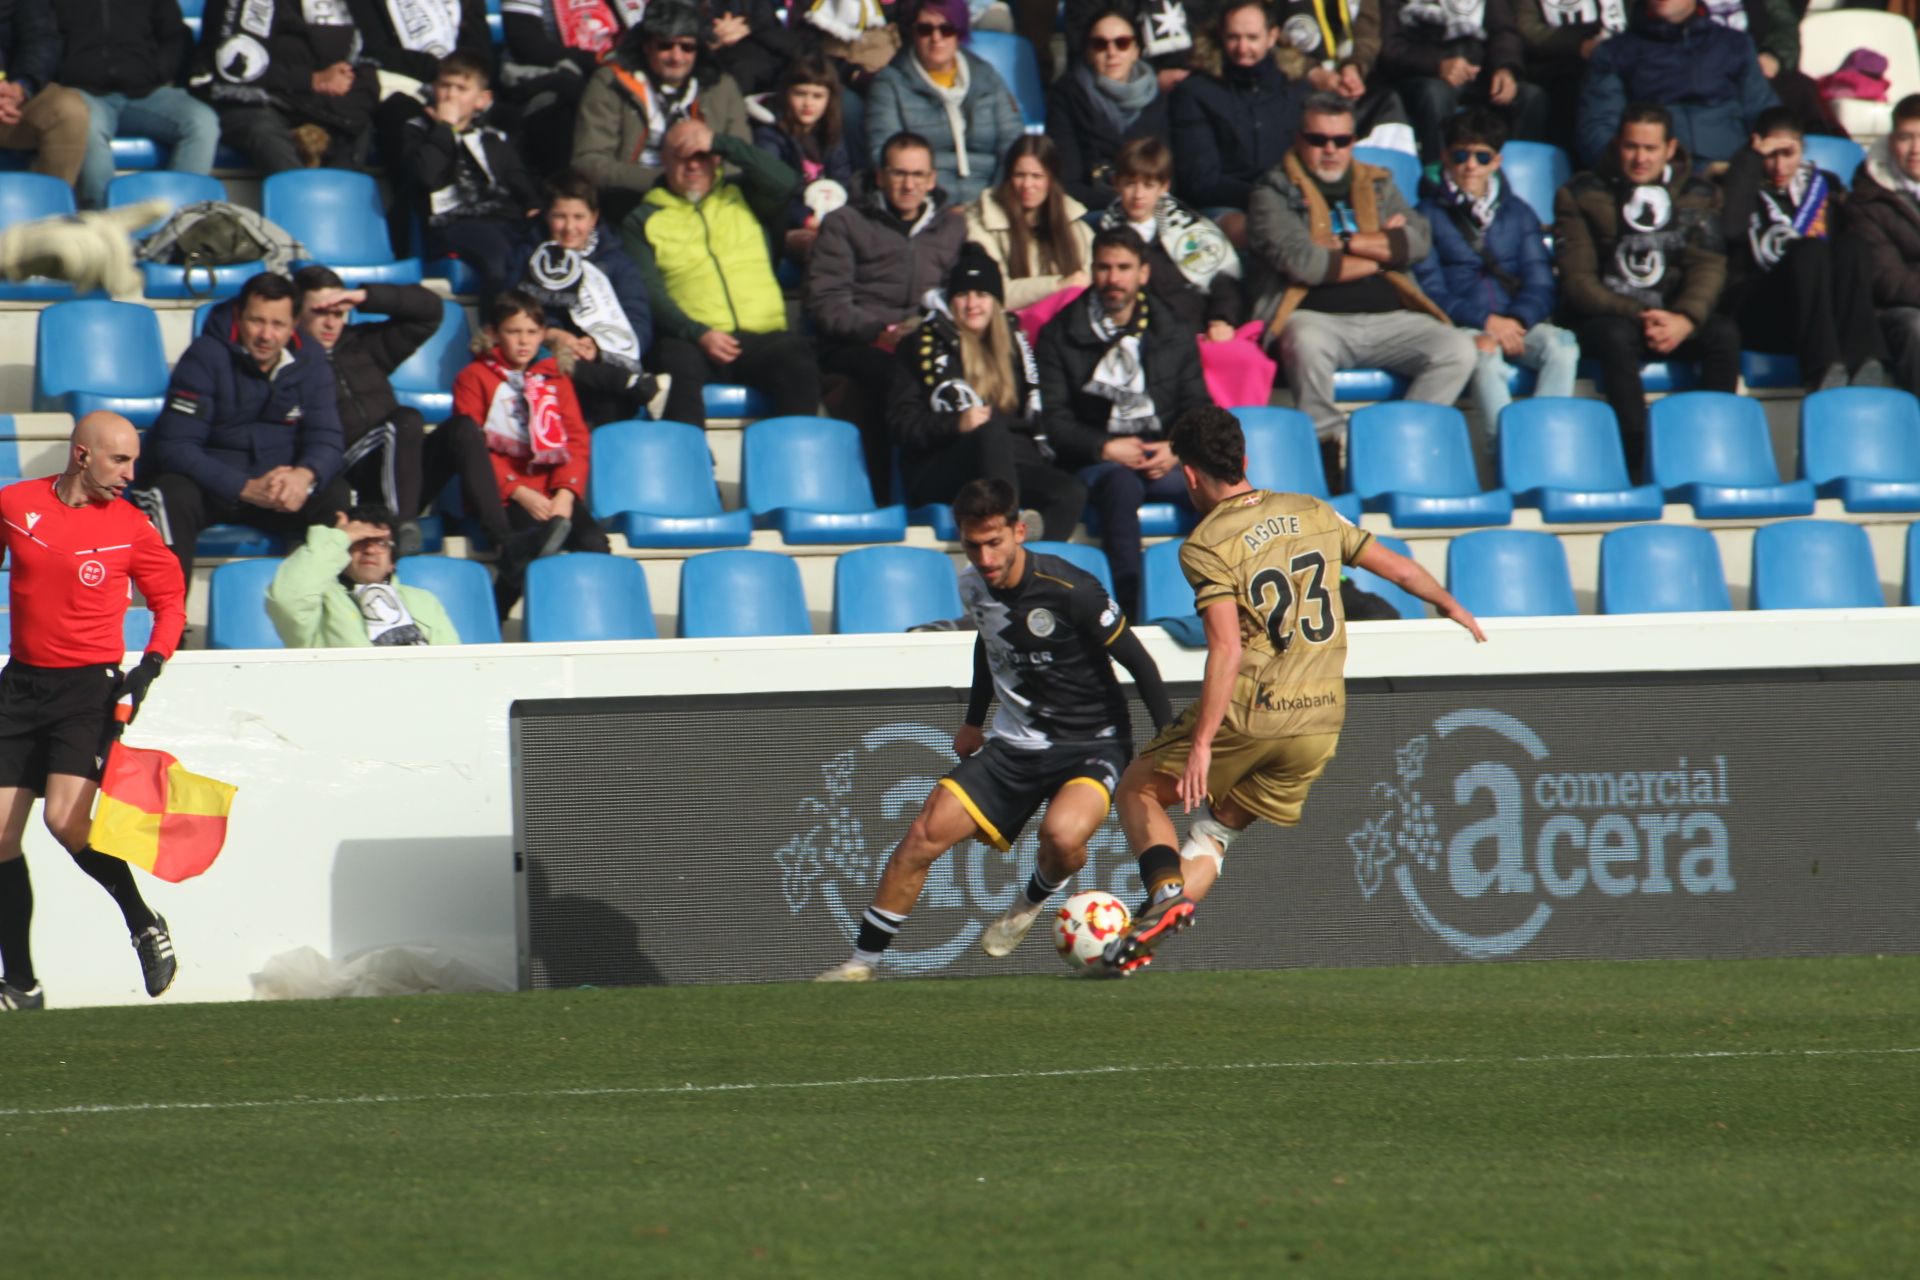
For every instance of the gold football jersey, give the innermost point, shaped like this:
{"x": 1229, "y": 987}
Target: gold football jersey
{"x": 1278, "y": 557}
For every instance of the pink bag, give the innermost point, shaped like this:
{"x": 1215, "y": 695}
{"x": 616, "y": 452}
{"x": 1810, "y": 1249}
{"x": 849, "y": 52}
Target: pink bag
{"x": 1239, "y": 374}
{"x": 1034, "y": 317}
{"x": 1862, "y": 76}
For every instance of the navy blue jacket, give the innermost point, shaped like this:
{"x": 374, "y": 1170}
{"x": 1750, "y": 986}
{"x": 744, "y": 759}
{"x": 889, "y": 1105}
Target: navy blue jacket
{"x": 837, "y": 164}
{"x": 1229, "y": 130}
{"x": 1459, "y": 280}
{"x": 1707, "y": 75}
{"x": 29, "y": 43}
{"x": 226, "y": 422}
{"x": 620, "y": 270}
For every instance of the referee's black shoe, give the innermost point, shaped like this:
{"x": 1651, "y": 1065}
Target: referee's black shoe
{"x": 154, "y": 945}
{"x": 14, "y": 1000}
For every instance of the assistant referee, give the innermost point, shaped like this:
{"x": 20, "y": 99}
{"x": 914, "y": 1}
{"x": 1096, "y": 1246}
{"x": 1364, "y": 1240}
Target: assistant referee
{"x": 74, "y": 546}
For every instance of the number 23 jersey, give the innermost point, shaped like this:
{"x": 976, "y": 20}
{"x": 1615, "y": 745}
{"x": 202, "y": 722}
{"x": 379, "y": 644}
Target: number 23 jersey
{"x": 1278, "y": 557}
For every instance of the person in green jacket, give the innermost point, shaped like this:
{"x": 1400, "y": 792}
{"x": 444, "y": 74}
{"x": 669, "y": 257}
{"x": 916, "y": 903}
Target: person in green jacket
{"x": 338, "y": 592}
{"x": 700, "y": 241}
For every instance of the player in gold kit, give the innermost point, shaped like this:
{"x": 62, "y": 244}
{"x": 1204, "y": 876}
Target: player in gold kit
{"x": 1265, "y": 569}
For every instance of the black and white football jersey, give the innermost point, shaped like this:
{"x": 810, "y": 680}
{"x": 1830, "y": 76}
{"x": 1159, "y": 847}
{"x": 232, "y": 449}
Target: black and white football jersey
{"x": 1046, "y": 641}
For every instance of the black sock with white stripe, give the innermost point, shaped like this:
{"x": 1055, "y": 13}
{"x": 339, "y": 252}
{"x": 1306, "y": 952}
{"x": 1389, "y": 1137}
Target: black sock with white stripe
{"x": 1039, "y": 888}
{"x": 877, "y": 928}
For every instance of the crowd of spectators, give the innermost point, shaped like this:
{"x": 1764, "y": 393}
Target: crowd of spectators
{"x": 839, "y": 205}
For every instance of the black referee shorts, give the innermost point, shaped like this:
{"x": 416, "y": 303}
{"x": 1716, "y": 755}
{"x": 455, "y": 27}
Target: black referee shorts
{"x": 1003, "y": 786}
{"x": 54, "y": 720}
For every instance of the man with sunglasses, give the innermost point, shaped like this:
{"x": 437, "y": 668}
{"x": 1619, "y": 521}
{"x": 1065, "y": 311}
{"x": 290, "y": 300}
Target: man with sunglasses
{"x": 337, "y": 591}
{"x": 651, "y": 84}
{"x": 1490, "y": 273}
{"x": 1333, "y": 241}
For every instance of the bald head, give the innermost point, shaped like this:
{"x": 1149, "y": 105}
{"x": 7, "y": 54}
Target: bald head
{"x": 100, "y": 458}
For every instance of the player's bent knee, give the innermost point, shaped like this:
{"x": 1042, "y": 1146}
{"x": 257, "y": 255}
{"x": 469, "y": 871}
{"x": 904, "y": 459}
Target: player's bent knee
{"x": 1064, "y": 853}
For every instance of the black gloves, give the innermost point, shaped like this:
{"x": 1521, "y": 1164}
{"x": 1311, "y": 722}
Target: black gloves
{"x": 134, "y": 684}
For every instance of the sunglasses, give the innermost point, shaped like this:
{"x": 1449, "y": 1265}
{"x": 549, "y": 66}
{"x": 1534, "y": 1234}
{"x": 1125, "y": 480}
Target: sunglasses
{"x": 1338, "y": 141}
{"x": 677, "y": 46}
{"x": 1478, "y": 155}
{"x": 1100, "y": 44}
{"x": 935, "y": 30}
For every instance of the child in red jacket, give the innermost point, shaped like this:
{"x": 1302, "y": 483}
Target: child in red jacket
{"x": 540, "y": 445}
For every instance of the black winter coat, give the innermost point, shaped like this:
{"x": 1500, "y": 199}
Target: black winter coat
{"x": 367, "y": 354}
{"x": 121, "y": 46}
{"x": 29, "y": 43}
{"x": 1229, "y": 130}
{"x": 381, "y": 45}
{"x": 1074, "y": 420}
{"x": 1087, "y": 139}
{"x": 922, "y": 418}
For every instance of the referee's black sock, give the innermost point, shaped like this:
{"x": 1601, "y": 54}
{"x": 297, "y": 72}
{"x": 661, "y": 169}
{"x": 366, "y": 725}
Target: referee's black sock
{"x": 116, "y": 877}
{"x": 16, "y": 917}
{"x": 1160, "y": 871}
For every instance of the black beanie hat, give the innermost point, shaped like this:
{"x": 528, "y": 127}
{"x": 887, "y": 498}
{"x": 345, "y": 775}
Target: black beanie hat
{"x": 669, "y": 19}
{"x": 976, "y": 272}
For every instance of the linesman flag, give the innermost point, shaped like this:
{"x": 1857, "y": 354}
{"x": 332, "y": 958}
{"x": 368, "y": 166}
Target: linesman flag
{"x": 159, "y": 817}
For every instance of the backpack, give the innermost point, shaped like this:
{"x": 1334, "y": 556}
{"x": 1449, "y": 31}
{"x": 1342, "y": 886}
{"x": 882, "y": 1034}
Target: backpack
{"x": 213, "y": 233}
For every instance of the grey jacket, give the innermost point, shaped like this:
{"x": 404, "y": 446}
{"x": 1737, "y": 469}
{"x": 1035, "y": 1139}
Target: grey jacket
{"x": 901, "y": 98}
{"x": 611, "y": 130}
{"x": 1280, "y": 243}
{"x": 869, "y": 269}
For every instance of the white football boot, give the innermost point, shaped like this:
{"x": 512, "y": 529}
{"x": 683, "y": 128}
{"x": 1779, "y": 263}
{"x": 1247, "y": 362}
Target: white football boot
{"x": 849, "y": 970}
{"x": 1004, "y": 934}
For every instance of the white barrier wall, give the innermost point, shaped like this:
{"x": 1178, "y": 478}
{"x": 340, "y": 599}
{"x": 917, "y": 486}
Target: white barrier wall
{"x": 375, "y": 805}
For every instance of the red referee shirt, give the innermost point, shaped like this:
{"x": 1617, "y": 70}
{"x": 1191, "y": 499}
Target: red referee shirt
{"x": 72, "y": 567}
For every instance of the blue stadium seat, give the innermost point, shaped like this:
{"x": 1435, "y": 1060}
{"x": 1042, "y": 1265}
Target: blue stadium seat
{"x": 742, "y": 593}
{"x": 1164, "y": 589}
{"x": 1092, "y": 559}
{"x": 1910, "y": 581}
{"x": 587, "y": 597}
{"x": 1862, "y": 446}
{"x": 1534, "y": 171}
{"x": 27, "y": 197}
{"x": 463, "y": 588}
{"x": 137, "y": 154}
{"x": 166, "y": 280}
{"x": 1814, "y": 564}
{"x": 424, "y": 380}
{"x": 1413, "y": 461}
{"x": 1157, "y": 520}
{"x": 1711, "y": 449}
{"x": 1367, "y": 385}
{"x": 237, "y": 606}
{"x": 136, "y": 628}
{"x": 1657, "y": 377}
{"x": 1766, "y": 371}
{"x": 200, "y": 316}
{"x": 1842, "y": 157}
{"x": 653, "y": 483}
{"x": 886, "y": 589}
{"x": 1563, "y": 455}
{"x": 1510, "y": 573}
{"x": 1013, "y": 57}
{"x": 1405, "y": 168}
{"x": 1283, "y": 455}
{"x": 939, "y": 517}
{"x": 807, "y": 478}
{"x": 496, "y": 28}
{"x": 192, "y": 8}
{"x": 1662, "y": 568}
{"x": 233, "y": 541}
{"x": 1405, "y": 602}
{"x": 341, "y": 220}
{"x": 734, "y": 400}
{"x": 90, "y": 354}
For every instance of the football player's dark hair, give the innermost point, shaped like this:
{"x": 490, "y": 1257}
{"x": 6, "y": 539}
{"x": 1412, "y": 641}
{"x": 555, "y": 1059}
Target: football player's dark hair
{"x": 1209, "y": 440}
{"x": 983, "y": 499}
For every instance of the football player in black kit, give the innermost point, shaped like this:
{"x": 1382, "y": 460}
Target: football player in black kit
{"x": 1048, "y": 637}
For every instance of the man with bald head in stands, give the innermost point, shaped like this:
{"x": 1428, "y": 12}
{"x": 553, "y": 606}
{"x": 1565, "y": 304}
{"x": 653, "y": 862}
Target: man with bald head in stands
{"x": 74, "y": 548}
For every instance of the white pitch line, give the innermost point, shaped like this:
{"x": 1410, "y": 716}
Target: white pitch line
{"x": 376, "y": 1099}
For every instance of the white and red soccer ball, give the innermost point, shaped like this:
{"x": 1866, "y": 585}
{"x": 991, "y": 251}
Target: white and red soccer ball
{"x": 1085, "y": 923}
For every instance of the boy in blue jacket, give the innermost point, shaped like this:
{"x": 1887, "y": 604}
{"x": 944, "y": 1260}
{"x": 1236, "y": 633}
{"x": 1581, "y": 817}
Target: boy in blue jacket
{"x": 1489, "y": 271}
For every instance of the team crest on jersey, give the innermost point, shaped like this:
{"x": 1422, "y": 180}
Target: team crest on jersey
{"x": 92, "y": 573}
{"x": 1040, "y": 622}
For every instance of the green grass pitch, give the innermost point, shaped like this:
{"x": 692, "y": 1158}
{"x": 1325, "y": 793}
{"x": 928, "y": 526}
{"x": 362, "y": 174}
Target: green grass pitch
{"x": 1730, "y": 1119}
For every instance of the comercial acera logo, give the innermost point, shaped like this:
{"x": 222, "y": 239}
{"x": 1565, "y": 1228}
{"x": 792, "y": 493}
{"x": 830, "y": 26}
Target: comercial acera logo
{"x": 870, "y": 794}
{"x": 1551, "y": 836}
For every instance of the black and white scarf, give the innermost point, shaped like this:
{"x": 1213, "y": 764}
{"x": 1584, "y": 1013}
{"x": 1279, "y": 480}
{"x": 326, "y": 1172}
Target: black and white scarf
{"x": 1608, "y": 15}
{"x": 943, "y": 373}
{"x": 1164, "y": 28}
{"x": 565, "y": 280}
{"x": 1479, "y": 211}
{"x": 426, "y": 26}
{"x": 1651, "y": 238}
{"x": 389, "y": 621}
{"x": 1781, "y": 217}
{"x": 1448, "y": 20}
{"x": 240, "y": 56}
{"x": 1731, "y": 14}
{"x": 473, "y": 191}
{"x": 1121, "y": 375}
{"x": 1321, "y": 29}
{"x": 1198, "y": 247}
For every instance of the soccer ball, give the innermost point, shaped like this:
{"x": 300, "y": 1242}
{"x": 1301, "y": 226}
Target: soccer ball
{"x": 1085, "y": 924}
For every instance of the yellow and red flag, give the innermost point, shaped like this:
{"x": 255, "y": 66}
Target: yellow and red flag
{"x": 158, "y": 816}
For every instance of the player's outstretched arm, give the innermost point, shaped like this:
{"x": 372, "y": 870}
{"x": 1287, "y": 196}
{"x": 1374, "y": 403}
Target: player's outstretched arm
{"x": 1408, "y": 575}
{"x": 1127, "y": 650}
{"x": 970, "y": 739}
